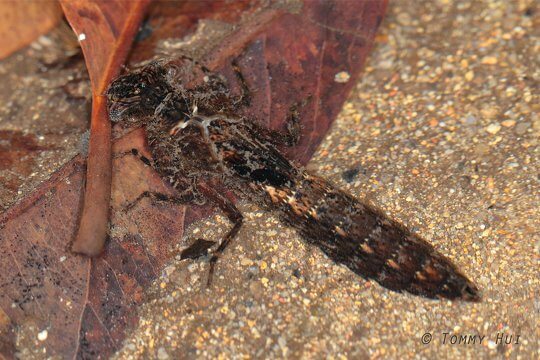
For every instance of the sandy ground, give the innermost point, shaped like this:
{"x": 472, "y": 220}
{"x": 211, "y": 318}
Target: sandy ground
{"x": 442, "y": 133}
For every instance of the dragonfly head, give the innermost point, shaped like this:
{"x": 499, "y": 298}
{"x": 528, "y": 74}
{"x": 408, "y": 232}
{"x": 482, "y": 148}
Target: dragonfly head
{"x": 135, "y": 96}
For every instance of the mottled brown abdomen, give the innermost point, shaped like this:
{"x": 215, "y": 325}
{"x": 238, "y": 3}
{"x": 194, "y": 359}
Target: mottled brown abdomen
{"x": 366, "y": 241}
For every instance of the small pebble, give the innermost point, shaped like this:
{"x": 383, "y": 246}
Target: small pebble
{"x": 493, "y": 128}
{"x": 42, "y": 336}
{"x": 470, "y": 120}
{"x": 522, "y": 128}
{"x": 489, "y": 60}
{"x": 508, "y": 123}
{"x": 342, "y": 77}
{"x": 162, "y": 354}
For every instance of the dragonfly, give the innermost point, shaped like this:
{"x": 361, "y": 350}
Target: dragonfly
{"x": 199, "y": 143}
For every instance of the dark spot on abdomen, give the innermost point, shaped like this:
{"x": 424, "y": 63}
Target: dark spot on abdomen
{"x": 269, "y": 177}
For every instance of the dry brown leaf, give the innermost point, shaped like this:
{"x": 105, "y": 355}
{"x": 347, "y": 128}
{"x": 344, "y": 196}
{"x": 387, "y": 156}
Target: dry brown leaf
{"x": 21, "y": 22}
{"x": 105, "y": 30}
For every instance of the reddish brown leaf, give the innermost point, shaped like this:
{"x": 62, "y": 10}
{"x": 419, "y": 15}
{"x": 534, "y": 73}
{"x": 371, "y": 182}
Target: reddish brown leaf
{"x": 7, "y": 335}
{"x": 86, "y": 305}
{"x": 105, "y": 30}
{"x": 21, "y": 22}
{"x": 18, "y": 153}
{"x": 293, "y": 57}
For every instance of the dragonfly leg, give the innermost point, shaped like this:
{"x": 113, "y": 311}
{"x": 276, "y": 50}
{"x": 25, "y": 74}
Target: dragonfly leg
{"x": 235, "y": 217}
